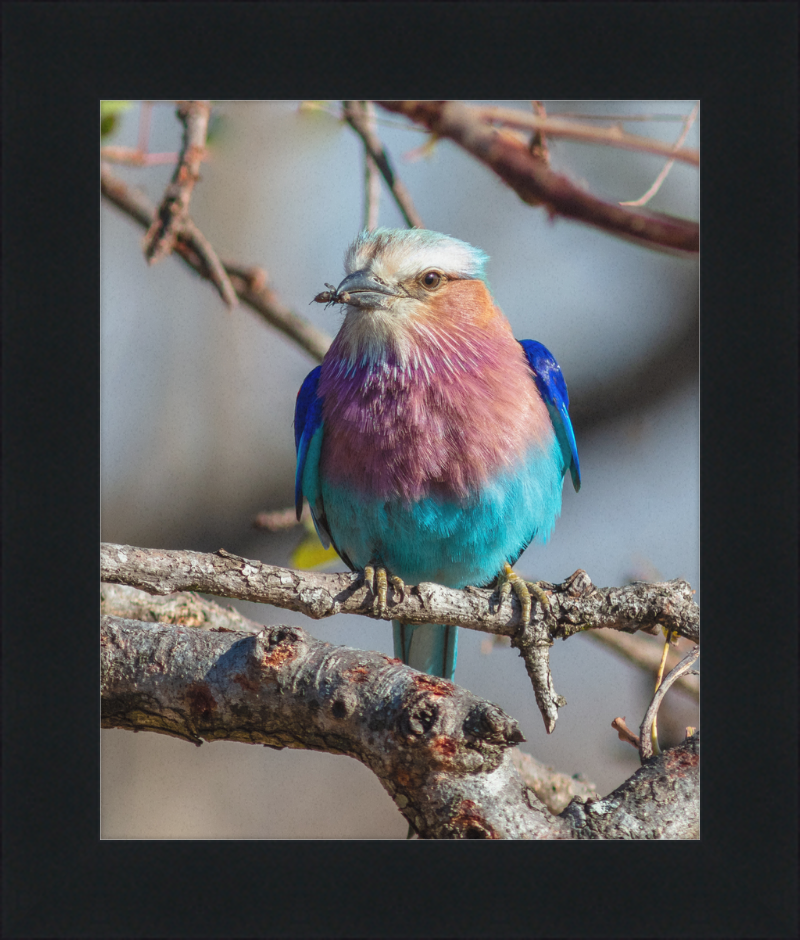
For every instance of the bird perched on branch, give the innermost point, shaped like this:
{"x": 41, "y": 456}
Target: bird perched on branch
{"x": 431, "y": 445}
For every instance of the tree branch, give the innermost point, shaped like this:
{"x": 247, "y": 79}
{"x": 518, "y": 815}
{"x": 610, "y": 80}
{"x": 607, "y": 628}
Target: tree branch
{"x": 250, "y": 284}
{"x": 646, "y": 744}
{"x": 536, "y": 184}
{"x": 174, "y": 209}
{"x": 357, "y": 119}
{"x": 570, "y": 130}
{"x": 645, "y": 654}
{"x": 575, "y": 605}
{"x": 554, "y": 789}
{"x": 660, "y": 801}
{"x": 441, "y": 753}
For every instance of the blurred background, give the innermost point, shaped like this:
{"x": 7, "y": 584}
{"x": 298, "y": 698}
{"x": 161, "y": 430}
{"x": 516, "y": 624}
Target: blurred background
{"x": 198, "y": 401}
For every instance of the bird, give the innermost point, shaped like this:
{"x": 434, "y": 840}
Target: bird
{"x": 431, "y": 444}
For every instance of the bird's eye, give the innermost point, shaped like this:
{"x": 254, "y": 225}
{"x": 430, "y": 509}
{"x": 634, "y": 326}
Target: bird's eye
{"x": 431, "y": 279}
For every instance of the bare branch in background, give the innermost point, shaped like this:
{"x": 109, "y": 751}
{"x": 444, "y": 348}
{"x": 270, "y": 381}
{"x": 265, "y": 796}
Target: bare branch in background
{"x": 251, "y": 284}
{"x": 575, "y": 605}
{"x": 625, "y": 733}
{"x": 356, "y": 118}
{"x": 538, "y": 145}
{"x": 568, "y": 130}
{"x": 643, "y": 200}
{"x": 442, "y": 754}
{"x": 132, "y": 156}
{"x": 644, "y": 653}
{"x": 172, "y": 219}
{"x": 536, "y": 184}
{"x": 372, "y": 181}
{"x": 281, "y": 519}
{"x": 138, "y": 155}
{"x": 174, "y": 208}
{"x": 646, "y": 745}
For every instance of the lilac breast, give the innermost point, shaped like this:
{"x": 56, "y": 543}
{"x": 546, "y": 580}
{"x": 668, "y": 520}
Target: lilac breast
{"x": 429, "y": 425}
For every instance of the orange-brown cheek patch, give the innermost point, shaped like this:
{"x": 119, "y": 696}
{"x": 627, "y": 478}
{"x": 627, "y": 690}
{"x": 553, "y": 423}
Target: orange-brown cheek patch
{"x": 463, "y": 302}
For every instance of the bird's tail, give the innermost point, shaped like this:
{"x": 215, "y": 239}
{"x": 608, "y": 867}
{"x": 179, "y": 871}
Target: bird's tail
{"x": 429, "y": 647}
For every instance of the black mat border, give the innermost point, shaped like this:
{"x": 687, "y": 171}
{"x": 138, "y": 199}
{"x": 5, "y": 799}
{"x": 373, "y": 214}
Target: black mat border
{"x": 59, "y": 59}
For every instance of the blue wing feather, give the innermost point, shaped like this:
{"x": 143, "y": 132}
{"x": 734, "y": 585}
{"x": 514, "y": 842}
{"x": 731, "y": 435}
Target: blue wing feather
{"x": 553, "y": 389}
{"x": 307, "y": 421}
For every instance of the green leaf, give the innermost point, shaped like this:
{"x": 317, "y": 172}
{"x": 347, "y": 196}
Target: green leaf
{"x": 110, "y": 112}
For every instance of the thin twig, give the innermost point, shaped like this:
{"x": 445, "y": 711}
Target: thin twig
{"x": 216, "y": 269}
{"x": 172, "y": 219}
{"x": 616, "y": 118}
{"x": 174, "y": 208}
{"x": 646, "y": 746}
{"x": 535, "y": 184}
{"x": 642, "y": 200}
{"x": 356, "y": 119}
{"x": 567, "y": 130}
{"x": 250, "y": 284}
{"x": 643, "y": 652}
{"x": 625, "y": 733}
{"x": 372, "y": 182}
{"x": 538, "y": 144}
{"x": 134, "y": 157}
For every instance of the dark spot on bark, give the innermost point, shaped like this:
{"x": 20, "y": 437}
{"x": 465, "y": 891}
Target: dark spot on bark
{"x": 281, "y": 647}
{"x": 200, "y": 700}
{"x": 418, "y": 719}
{"x": 313, "y": 704}
{"x": 246, "y": 683}
{"x": 339, "y": 709}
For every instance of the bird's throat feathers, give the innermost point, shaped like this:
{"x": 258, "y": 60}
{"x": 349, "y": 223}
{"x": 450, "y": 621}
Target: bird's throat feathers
{"x": 449, "y": 325}
{"x": 427, "y": 399}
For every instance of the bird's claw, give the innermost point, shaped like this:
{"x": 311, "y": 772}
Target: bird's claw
{"x": 525, "y": 591}
{"x": 378, "y": 580}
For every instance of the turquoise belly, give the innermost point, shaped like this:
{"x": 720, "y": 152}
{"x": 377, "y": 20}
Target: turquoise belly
{"x": 454, "y": 542}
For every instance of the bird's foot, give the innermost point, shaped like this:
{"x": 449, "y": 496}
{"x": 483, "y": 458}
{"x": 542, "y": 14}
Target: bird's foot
{"x": 378, "y": 581}
{"x": 525, "y": 591}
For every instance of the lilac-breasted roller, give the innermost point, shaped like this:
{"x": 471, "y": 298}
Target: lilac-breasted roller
{"x": 431, "y": 445}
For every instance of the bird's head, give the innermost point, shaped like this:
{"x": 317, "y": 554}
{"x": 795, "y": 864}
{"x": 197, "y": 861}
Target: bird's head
{"x": 401, "y": 284}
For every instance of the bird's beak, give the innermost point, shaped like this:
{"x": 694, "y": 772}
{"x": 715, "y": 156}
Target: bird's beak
{"x": 363, "y": 289}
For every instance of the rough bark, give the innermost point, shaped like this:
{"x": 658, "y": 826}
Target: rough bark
{"x": 573, "y": 606}
{"x": 553, "y": 788}
{"x": 660, "y": 801}
{"x": 442, "y": 754}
